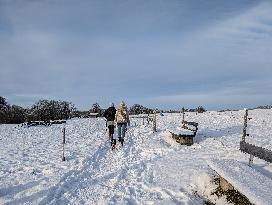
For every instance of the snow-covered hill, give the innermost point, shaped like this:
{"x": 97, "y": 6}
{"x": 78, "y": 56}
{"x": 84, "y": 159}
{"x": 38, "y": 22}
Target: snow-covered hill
{"x": 150, "y": 169}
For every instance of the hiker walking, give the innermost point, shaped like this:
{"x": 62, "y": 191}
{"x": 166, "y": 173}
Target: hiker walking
{"x": 109, "y": 114}
{"x": 122, "y": 120}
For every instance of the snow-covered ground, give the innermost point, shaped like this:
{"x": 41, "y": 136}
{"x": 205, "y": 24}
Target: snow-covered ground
{"x": 151, "y": 168}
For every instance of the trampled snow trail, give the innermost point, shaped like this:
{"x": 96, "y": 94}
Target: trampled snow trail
{"x": 121, "y": 176}
{"x": 151, "y": 168}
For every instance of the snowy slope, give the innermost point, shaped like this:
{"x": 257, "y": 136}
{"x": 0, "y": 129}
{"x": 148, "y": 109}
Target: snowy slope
{"x": 150, "y": 169}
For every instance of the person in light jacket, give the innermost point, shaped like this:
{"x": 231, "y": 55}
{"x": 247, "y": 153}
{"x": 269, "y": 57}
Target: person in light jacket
{"x": 122, "y": 120}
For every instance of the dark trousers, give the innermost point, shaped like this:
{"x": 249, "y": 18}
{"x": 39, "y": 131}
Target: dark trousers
{"x": 111, "y": 129}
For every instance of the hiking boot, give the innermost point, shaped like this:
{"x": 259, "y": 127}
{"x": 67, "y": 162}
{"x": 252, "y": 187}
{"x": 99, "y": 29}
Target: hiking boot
{"x": 122, "y": 142}
{"x": 113, "y": 147}
{"x": 113, "y": 144}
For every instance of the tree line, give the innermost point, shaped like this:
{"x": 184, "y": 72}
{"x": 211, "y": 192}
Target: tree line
{"x": 46, "y": 110}
{"x": 11, "y": 113}
{"x": 43, "y": 110}
{"x": 140, "y": 109}
{"x": 133, "y": 110}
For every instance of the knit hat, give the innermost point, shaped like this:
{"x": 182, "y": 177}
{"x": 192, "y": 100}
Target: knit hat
{"x": 122, "y": 104}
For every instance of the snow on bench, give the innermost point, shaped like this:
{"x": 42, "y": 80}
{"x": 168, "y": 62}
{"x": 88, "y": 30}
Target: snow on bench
{"x": 249, "y": 182}
{"x": 183, "y": 136}
{"x": 181, "y": 131}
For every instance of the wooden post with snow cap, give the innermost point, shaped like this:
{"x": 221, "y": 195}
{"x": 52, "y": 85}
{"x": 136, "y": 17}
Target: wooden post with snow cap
{"x": 245, "y": 134}
{"x": 245, "y": 125}
{"x": 63, "y": 142}
{"x": 183, "y": 114}
{"x": 154, "y": 121}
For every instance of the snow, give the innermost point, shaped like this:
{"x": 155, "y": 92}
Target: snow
{"x": 151, "y": 168}
{"x": 251, "y": 183}
{"x": 181, "y": 131}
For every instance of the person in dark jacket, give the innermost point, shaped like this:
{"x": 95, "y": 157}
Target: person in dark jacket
{"x": 109, "y": 114}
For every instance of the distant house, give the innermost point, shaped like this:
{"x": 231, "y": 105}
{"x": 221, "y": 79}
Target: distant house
{"x": 93, "y": 115}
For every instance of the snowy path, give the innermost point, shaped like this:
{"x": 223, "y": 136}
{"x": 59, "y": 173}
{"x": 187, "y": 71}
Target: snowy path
{"x": 150, "y": 169}
{"x": 121, "y": 176}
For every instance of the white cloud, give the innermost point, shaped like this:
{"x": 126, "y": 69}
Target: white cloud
{"x": 82, "y": 52}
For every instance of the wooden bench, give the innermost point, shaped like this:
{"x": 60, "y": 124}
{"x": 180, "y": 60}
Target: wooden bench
{"x": 193, "y": 126}
{"x": 186, "y": 136}
{"x": 183, "y": 136}
{"x": 184, "y": 139}
{"x": 247, "y": 181}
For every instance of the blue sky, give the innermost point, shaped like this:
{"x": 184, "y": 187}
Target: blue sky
{"x": 164, "y": 54}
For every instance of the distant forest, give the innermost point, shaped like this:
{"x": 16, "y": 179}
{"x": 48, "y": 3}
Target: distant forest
{"x": 46, "y": 110}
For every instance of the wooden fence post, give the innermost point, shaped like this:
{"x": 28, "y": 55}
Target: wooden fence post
{"x": 245, "y": 126}
{"x": 63, "y": 142}
{"x": 154, "y": 121}
{"x": 183, "y": 115}
{"x": 250, "y": 163}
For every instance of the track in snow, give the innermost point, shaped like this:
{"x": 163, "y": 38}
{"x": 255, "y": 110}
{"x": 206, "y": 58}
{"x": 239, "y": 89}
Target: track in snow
{"x": 120, "y": 176}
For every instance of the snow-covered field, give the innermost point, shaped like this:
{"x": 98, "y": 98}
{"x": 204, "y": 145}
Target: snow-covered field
{"x": 151, "y": 168}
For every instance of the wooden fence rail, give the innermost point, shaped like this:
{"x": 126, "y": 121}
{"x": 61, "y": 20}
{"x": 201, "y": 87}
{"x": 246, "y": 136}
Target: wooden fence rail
{"x": 148, "y": 118}
{"x": 253, "y": 150}
{"x": 256, "y": 151}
